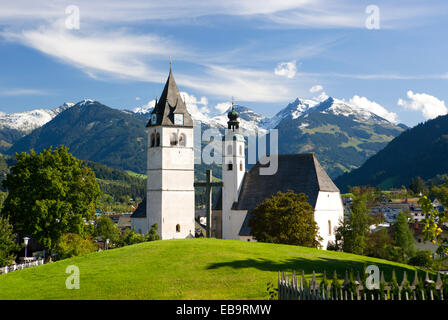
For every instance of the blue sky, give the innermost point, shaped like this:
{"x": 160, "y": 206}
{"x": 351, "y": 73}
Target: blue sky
{"x": 389, "y": 58}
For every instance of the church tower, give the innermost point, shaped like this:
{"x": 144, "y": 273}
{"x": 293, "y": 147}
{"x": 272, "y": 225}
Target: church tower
{"x": 233, "y": 170}
{"x": 170, "y": 166}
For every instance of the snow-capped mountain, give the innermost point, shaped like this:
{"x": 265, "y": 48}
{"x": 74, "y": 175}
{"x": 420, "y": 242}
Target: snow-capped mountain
{"x": 341, "y": 107}
{"x": 29, "y": 120}
{"x": 292, "y": 110}
{"x": 252, "y": 121}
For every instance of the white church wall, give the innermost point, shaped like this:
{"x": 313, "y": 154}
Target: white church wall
{"x": 327, "y": 212}
{"x": 177, "y": 205}
{"x": 232, "y": 222}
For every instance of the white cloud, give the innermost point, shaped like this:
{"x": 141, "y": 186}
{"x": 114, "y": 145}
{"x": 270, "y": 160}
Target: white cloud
{"x": 138, "y": 98}
{"x": 97, "y": 52}
{"x": 430, "y": 106}
{"x": 223, "y": 106}
{"x": 287, "y": 69}
{"x": 195, "y": 106}
{"x": 374, "y": 107}
{"x": 22, "y": 92}
{"x": 316, "y": 88}
{"x": 321, "y": 97}
{"x": 243, "y": 84}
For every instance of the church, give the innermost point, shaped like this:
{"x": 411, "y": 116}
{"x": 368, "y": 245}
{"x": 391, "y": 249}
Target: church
{"x": 169, "y": 199}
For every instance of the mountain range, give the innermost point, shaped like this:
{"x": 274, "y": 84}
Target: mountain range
{"x": 421, "y": 151}
{"x": 341, "y": 135}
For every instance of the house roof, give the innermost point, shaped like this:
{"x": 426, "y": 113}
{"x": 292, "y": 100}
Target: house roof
{"x": 170, "y": 103}
{"x": 300, "y": 173}
{"x": 140, "y": 212}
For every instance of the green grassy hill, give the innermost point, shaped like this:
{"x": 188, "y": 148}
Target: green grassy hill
{"x": 182, "y": 269}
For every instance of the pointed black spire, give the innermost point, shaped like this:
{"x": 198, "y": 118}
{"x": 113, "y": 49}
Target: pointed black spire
{"x": 170, "y": 104}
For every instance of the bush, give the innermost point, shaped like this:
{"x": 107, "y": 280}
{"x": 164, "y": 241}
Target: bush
{"x": 72, "y": 245}
{"x": 130, "y": 237}
{"x": 422, "y": 258}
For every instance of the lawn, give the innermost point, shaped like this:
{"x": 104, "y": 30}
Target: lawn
{"x": 182, "y": 269}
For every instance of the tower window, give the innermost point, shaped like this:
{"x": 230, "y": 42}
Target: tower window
{"x": 241, "y": 166}
{"x": 241, "y": 150}
{"x": 157, "y": 139}
{"x": 229, "y": 167}
{"x": 182, "y": 140}
{"x": 229, "y": 150}
{"x": 177, "y": 227}
{"x": 173, "y": 139}
{"x": 329, "y": 227}
{"x": 153, "y": 140}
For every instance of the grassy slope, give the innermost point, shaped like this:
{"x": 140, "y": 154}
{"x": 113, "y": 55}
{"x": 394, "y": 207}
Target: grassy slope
{"x": 181, "y": 269}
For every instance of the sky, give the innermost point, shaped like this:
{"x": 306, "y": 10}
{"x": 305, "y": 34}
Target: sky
{"x": 387, "y": 56}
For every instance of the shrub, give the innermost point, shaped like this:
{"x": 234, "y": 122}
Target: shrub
{"x": 422, "y": 258}
{"x": 72, "y": 245}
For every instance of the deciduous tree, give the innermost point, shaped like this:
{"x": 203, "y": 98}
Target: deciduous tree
{"x": 285, "y": 218}
{"x": 50, "y": 194}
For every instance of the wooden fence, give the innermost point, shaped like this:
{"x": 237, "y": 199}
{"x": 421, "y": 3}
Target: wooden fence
{"x": 21, "y": 266}
{"x": 291, "y": 287}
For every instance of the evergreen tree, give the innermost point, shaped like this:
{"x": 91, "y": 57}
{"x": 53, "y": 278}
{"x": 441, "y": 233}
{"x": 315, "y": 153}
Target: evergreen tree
{"x": 403, "y": 236}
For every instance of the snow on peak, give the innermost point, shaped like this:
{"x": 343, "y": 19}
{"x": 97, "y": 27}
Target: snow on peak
{"x": 85, "y": 102}
{"x": 30, "y": 120}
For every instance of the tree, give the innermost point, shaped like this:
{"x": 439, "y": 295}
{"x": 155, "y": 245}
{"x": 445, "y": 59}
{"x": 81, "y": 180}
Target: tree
{"x": 72, "y": 245}
{"x": 403, "y": 236}
{"x": 359, "y": 224}
{"x": 153, "y": 235}
{"x": 354, "y": 232}
{"x": 107, "y": 229}
{"x": 431, "y": 230}
{"x": 7, "y": 243}
{"x": 50, "y": 194}
{"x": 285, "y": 218}
{"x": 418, "y": 185}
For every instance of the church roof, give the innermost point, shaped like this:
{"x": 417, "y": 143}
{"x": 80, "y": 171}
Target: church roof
{"x": 140, "y": 212}
{"x": 300, "y": 173}
{"x": 170, "y": 103}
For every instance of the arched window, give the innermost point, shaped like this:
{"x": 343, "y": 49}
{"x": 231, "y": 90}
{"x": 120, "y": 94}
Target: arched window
{"x": 241, "y": 165}
{"x": 173, "y": 139}
{"x": 177, "y": 227}
{"x": 329, "y": 227}
{"x": 241, "y": 150}
{"x": 158, "y": 139}
{"x": 229, "y": 150}
{"x": 153, "y": 139}
{"x": 182, "y": 140}
{"x": 229, "y": 167}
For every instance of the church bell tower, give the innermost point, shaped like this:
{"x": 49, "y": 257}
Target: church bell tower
{"x": 170, "y": 166}
{"x": 233, "y": 169}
